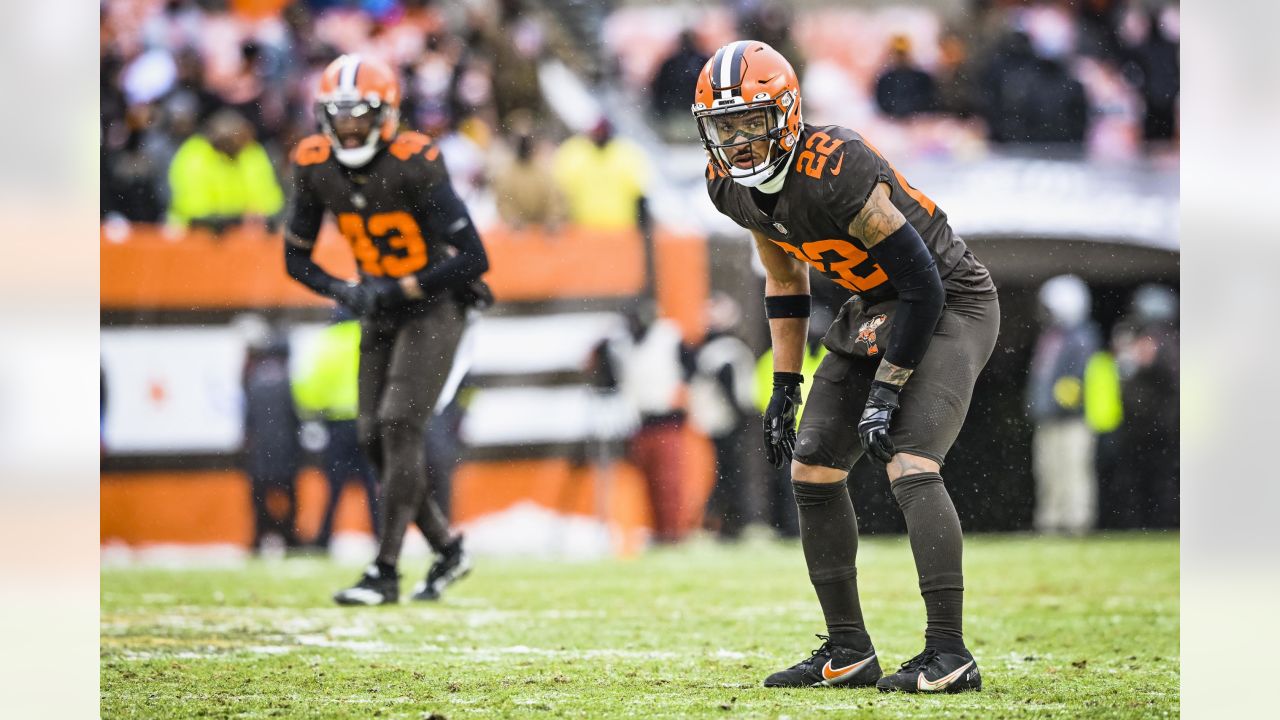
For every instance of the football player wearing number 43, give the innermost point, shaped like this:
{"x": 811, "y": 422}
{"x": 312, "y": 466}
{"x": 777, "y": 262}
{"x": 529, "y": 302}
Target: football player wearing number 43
{"x": 420, "y": 260}
{"x": 905, "y": 350}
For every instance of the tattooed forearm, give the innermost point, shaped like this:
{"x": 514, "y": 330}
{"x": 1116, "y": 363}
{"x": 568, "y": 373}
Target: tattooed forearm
{"x": 892, "y": 374}
{"x": 878, "y": 219}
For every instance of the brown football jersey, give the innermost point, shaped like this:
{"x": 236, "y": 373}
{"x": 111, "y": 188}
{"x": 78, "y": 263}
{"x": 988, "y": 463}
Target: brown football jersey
{"x": 830, "y": 178}
{"x": 383, "y": 209}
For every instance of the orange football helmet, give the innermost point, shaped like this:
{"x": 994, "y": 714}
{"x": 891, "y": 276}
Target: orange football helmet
{"x": 358, "y": 92}
{"x": 748, "y": 92}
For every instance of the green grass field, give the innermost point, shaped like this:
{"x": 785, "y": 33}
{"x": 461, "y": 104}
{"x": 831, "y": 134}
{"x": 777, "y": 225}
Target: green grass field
{"x": 1060, "y": 628}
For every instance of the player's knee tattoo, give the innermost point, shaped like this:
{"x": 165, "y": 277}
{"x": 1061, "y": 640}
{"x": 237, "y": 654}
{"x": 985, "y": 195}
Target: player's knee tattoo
{"x": 907, "y": 464}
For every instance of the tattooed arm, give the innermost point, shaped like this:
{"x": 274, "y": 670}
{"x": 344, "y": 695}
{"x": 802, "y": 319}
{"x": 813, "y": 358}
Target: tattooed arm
{"x": 900, "y": 251}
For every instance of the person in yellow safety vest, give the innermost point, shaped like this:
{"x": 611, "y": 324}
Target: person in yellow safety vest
{"x": 1104, "y": 414}
{"x": 325, "y": 389}
{"x": 222, "y": 176}
{"x": 602, "y": 178}
{"x": 781, "y": 512}
{"x": 1103, "y": 404}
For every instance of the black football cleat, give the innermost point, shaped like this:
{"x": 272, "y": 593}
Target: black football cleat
{"x": 933, "y": 671}
{"x": 830, "y": 666}
{"x": 372, "y": 589}
{"x": 451, "y": 565}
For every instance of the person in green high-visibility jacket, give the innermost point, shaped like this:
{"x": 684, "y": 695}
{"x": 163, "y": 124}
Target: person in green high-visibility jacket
{"x": 1063, "y": 446}
{"x": 221, "y": 176}
{"x": 782, "y": 515}
{"x": 324, "y": 389}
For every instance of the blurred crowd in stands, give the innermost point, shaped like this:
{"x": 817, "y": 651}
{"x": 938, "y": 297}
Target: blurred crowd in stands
{"x": 201, "y": 100}
{"x": 1095, "y": 74}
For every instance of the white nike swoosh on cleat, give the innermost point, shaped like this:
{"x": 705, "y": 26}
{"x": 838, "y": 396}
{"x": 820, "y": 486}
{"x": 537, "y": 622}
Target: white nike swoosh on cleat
{"x": 835, "y": 676}
{"x": 924, "y": 684}
{"x": 363, "y": 596}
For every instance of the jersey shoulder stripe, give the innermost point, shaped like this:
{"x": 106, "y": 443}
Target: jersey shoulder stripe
{"x": 409, "y": 144}
{"x": 312, "y": 150}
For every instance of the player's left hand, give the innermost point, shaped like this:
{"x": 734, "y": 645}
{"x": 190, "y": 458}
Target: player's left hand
{"x": 882, "y": 401}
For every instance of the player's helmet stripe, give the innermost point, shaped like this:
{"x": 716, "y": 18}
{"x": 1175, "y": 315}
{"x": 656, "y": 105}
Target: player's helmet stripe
{"x": 735, "y": 65}
{"x": 347, "y": 77}
{"x": 715, "y": 68}
{"x": 728, "y": 67}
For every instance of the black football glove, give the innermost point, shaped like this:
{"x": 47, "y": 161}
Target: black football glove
{"x": 475, "y": 294}
{"x": 780, "y": 418}
{"x": 359, "y": 298}
{"x": 387, "y": 292}
{"x": 882, "y": 401}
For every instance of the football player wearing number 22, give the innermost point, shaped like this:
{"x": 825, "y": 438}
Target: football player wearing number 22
{"x": 905, "y": 350}
{"x": 420, "y": 260}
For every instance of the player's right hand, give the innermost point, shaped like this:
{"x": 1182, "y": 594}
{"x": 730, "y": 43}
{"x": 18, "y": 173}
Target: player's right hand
{"x": 360, "y": 298}
{"x": 780, "y": 418}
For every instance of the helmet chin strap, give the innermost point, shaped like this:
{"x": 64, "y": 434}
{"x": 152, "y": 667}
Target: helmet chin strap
{"x": 770, "y": 181}
{"x": 775, "y": 183}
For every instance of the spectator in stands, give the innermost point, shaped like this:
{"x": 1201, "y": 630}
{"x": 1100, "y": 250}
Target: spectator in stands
{"x": 1063, "y": 446}
{"x": 722, "y": 405}
{"x": 770, "y": 22}
{"x": 958, "y": 93}
{"x": 133, "y": 177}
{"x": 603, "y": 180}
{"x": 1150, "y": 50}
{"x": 189, "y": 102}
{"x": 525, "y": 189}
{"x": 903, "y": 89}
{"x": 272, "y": 449}
{"x": 674, "y": 84}
{"x": 517, "y": 47}
{"x": 324, "y": 390}
{"x": 1148, "y": 360}
{"x": 1098, "y": 21}
{"x": 249, "y": 93}
{"x": 222, "y": 176}
{"x": 1033, "y": 96}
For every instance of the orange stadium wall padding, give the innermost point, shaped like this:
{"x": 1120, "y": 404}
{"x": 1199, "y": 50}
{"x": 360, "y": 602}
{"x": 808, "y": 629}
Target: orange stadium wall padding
{"x": 192, "y": 507}
{"x": 198, "y": 507}
{"x": 148, "y": 270}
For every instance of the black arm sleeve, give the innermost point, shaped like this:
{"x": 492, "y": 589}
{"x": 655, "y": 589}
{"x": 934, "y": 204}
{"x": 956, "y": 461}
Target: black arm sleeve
{"x": 913, "y": 273}
{"x": 305, "y": 210}
{"x": 298, "y": 262}
{"x": 447, "y": 218}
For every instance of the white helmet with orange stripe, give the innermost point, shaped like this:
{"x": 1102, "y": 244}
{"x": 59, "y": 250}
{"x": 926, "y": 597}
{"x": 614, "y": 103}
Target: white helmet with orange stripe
{"x": 358, "y": 107}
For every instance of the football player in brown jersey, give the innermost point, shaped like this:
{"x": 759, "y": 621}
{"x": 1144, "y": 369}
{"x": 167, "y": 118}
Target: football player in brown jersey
{"x": 905, "y": 350}
{"x": 419, "y": 259}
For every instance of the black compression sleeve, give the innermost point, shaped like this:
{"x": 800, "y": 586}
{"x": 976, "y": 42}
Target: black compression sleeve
{"x": 448, "y": 218}
{"x": 913, "y": 273}
{"x": 298, "y": 262}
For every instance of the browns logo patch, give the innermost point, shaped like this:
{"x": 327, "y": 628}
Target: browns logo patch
{"x": 867, "y": 334}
